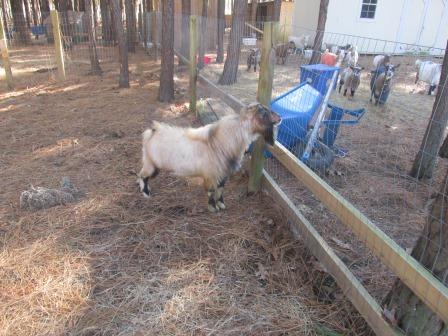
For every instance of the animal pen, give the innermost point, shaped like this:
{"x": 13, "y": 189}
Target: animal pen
{"x": 364, "y": 185}
{"x": 338, "y": 164}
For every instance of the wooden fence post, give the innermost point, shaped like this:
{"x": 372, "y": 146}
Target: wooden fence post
{"x": 5, "y": 55}
{"x": 264, "y": 97}
{"x": 58, "y": 43}
{"x": 193, "y": 68}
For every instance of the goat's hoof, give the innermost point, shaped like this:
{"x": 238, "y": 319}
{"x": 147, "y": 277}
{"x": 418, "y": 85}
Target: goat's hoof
{"x": 141, "y": 185}
{"x": 212, "y": 208}
{"x": 221, "y": 205}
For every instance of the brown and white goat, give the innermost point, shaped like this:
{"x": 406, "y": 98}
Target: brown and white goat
{"x": 283, "y": 50}
{"x": 350, "y": 79}
{"x": 212, "y": 152}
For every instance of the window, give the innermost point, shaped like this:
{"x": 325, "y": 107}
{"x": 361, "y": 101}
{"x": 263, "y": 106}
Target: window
{"x": 368, "y": 9}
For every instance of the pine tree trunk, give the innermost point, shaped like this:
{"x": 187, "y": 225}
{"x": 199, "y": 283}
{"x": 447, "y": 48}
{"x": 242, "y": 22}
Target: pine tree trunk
{"x": 221, "y": 27}
{"x": 443, "y": 152}
{"x": 426, "y": 158}
{"x": 106, "y": 24}
{"x": 185, "y": 44}
{"x": 203, "y": 35}
{"x": 166, "y": 88}
{"x": 253, "y": 12}
{"x": 94, "y": 61}
{"x": 35, "y": 12}
{"x": 65, "y": 23}
{"x": 317, "y": 46}
{"x": 123, "y": 81}
{"x": 20, "y": 21}
{"x": 277, "y": 9}
{"x": 45, "y": 6}
{"x": 130, "y": 24}
{"x": 229, "y": 74}
{"x": 5, "y": 18}
{"x": 27, "y": 13}
{"x": 431, "y": 250}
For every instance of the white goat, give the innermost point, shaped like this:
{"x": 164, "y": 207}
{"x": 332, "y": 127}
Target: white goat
{"x": 381, "y": 60}
{"x": 351, "y": 57}
{"x": 301, "y": 42}
{"x": 428, "y": 72}
{"x": 212, "y": 152}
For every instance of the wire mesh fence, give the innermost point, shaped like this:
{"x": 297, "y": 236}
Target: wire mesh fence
{"x": 379, "y": 108}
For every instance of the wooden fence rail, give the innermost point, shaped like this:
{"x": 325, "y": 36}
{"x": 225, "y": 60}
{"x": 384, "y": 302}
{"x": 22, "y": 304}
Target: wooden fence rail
{"x": 429, "y": 289}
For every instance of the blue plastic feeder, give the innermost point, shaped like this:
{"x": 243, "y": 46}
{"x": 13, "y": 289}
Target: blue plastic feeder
{"x": 318, "y": 76}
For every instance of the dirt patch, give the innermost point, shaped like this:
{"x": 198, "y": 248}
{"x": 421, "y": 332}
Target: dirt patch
{"x": 115, "y": 263}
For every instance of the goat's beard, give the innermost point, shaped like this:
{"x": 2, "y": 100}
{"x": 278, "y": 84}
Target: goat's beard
{"x": 268, "y": 135}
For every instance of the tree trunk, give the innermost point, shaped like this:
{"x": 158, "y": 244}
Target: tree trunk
{"x": 229, "y": 74}
{"x": 130, "y": 24}
{"x": 253, "y": 12}
{"x": 140, "y": 22}
{"x": 317, "y": 46}
{"x": 185, "y": 44}
{"x": 20, "y": 21}
{"x": 95, "y": 12}
{"x": 203, "y": 35}
{"x": 35, "y": 12}
{"x": 27, "y": 13}
{"x": 106, "y": 27}
{"x": 277, "y": 9}
{"x": 166, "y": 88}
{"x": 65, "y": 23}
{"x": 94, "y": 62}
{"x": 5, "y": 18}
{"x": 155, "y": 28}
{"x": 123, "y": 82}
{"x": 426, "y": 158}
{"x": 431, "y": 250}
{"x": 45, "y": 6}
{"x": 443, "y": 152}
{"x": 221, "y": 27}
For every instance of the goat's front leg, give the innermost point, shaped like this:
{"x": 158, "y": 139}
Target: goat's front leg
{"x": 219, "y": 199}
{"x": 210, "y": 187}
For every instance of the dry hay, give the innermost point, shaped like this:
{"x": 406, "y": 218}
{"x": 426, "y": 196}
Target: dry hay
{"x": 116, "y": 264}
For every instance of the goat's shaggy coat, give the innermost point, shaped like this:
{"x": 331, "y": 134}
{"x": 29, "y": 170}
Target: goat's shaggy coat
{"x": 212, "y": 152}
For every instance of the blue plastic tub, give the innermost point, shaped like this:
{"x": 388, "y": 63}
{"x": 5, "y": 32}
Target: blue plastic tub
{"x": 38, "y": 30}
{"x": 318, "y": 76}
{"x": 297, "y": 108}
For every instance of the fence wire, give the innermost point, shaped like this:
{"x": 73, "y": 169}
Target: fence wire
{"x": 365, "y": 149}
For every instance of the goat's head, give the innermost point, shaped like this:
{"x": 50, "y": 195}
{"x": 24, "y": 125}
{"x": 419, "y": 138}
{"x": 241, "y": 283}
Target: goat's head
{"x": 291, "y": 46}
{"x": 262, "y": 121}
{"x": 356, "y": 71}
{"x": 390, "y": 71}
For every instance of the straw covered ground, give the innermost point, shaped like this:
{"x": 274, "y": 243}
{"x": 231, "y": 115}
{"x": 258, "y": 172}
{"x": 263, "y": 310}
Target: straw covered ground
{"x": 113, "y": 263}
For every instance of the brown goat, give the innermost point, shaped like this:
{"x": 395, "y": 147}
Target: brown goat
{"x": 212, "y": 152}
{"x": 282, "y": 51}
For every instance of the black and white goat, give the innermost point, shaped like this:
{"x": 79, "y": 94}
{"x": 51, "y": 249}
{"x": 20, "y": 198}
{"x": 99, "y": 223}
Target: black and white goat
{"x": 350, "y": 79}
{"x": 212, "y": 152}
{"x": 253, "y": 59}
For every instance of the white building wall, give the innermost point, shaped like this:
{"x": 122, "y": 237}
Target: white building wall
{"x": 397, "y": 20}
{"x": 306, "y": 13}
